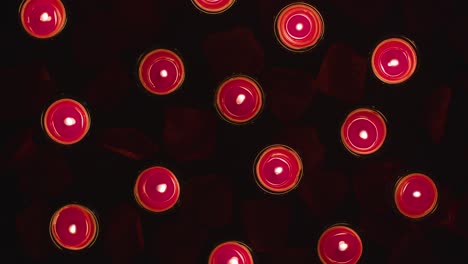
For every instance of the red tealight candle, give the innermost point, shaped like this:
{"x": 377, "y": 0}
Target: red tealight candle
{"x": 364, "y": 131}
{"x": 339, "y": 244}
{"x": 74, "y": 227}
{"x": 231, "y": 252}
{"x": 394, "y": 60}
{"x": 239, "y": 99}
{"x": 66, "y": 121}
{"x": 43, "y": 18}
{"x": 213, "y": 6}
{"x": 416, "y": 195}
{"x": 161, "y": 71}
{"x": 299, "y": 26}
{"x": 157, "y": 189}
{"x": 278, "y": 169}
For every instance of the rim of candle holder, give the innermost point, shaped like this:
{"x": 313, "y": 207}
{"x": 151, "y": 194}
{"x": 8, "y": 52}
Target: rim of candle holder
{"x": 216, "y": 11}
{"x": 241, "y": 244}
{"x": 346, "y": 226}
{"x": 54, "y": 35}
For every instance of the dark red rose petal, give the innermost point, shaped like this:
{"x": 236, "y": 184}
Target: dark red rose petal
{"x": 323, "y": 191}
{"x": 123, "y": 235}
{"x": 129, "y": 142}
{"x": 367, "y": 13}
{"x": 381, "y": 176}
{"x": 351, "y": 68}
{"x": 109, "y": 88}
{"x": 189, "y": 133}
{"x": 289, "y": 92}
{"x": 30, "y": 90}
{"x": 32, "y": 230}
{"x": 267, "y": 223}
{"x": 234, "y": 51}
{"x": 437, "y": 107}
{"x": 209, "y": 201}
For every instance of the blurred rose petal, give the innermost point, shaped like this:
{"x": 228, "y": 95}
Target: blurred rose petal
{"x": 32, "y": 230}
{"x": 234, "y": 51}
{"x": 342, "y": 74}
{"x": 267, "y": 223}
{"x": 123, "y": 235}
{"x": 128, "y": 142}
{"x": 373, "y": 185}
{"x": 289, "y": 92}
{"x": 189, "y": 133}
{"x": 208, "y": 201}
{"x": 109, "y": 88}
{"x": 29, "y": 89}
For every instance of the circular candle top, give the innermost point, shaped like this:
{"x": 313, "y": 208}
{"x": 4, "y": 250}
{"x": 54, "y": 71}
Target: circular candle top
{"x": 73, "y": 227}
{"x": 299, "y": 26}
{"x": 416, "y": 195}
{"x": 394, "y": 60}
{"x": 364, "y": 131}
{"x": 161, "y": 71}
{"x": 231, "y": 252}
{"x": 339, "y": 244}
{"x": 66, "y": 121}
{"x": 213, "y": 6}
{"x": 278, "y": 169}
{"x": 43, "y": 18}
{"x": 239, "y": 99}
{"x": 157, "y": 189}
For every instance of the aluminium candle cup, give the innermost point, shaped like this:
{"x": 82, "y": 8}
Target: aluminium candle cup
{"x": 43, "y": 19}
{"x": 339, "y": 244}
{"x": 161, "y": 71}
{"x": 394, "y": 60}
{"x": 231, "y": 252}
{"x": 239, "y": 99}
{"x": 213, "y": 6}
{"x": 363, "y": 131}
{"x": 416, "y": 196}
{"x": 157, "y": 189}
{"x": 74, "y": 227}
{"x": 299, "y": 27}
{"x": 278, "y": 169}
{"x": 66, "y": 121}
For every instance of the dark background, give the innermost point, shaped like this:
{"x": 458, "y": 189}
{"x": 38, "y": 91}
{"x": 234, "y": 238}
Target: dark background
{"x": 307, "y": 97}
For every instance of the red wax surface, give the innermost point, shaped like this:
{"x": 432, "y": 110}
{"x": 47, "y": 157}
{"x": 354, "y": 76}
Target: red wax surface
{"x": 339, "y": 244}
{"x": 157, "y": 189}
{"x": 161, "y": 71}
{"x": 416, "y": 195}
{"x": 394, "y": 60}
{"x": 239, "y": 99}
{"x": 43, "y": 18}
{"x": 278, "y": 169}
{"x": 66, "y": 121}
{"x": 299, "y": 26}
{"x": 74, "y": 227}
{"x": 231, "y": 252}
{"x": 364, "y": 131}
{"x": 213, "y": 6}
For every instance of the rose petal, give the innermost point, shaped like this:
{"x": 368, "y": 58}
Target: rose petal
{"x": 341, "y": 60}
{"x": 234, "y": 51}
{"x": 189, "y": 133}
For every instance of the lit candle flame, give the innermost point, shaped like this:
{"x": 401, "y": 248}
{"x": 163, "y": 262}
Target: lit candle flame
{"x": 342, "y": 246}
{"x": 72, "y": 229}
{"x": 416, "y": 194}
{"x": 393, "y": 63}
{"x": 45, "y": 17}
{"x": 299, "y": 26}
{"x": 278, "y": 170}
{"x": 163, "y": 73}
{"x": 363, "y": 134}
{"x": 240, "y": 99}
{"x": 233, "y": 260}
{"x": 161, "y": 187}
{"x": 69, "y": 121}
